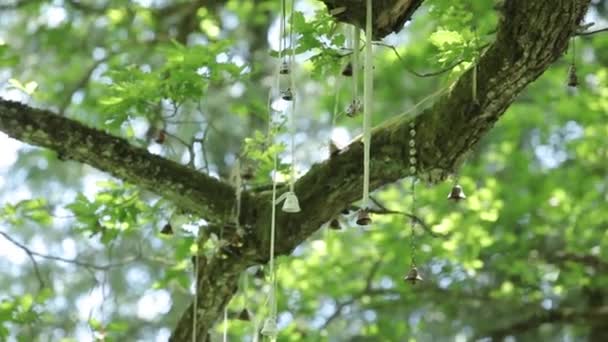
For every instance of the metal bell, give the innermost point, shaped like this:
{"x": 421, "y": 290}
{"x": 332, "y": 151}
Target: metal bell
{"x": 291, "y": 204}
{"x": 348, "y": 70}
{"x": 413, "y": 276}
{"x": 334, "y": 224}
{"x": 167, "y": 230}
{"x": 247, "y": 173}
{"x": 237, "y": 241}
{"x": 160, "y": 138}
{"x": 270, "y": 328}
{"x": 284, "y": 69}
{"x": 363, "y": 218}
{"x": 353, "y": 108}
{"x": 572, "y": 77}
{"x": 244, "y": 315}
{"x": 287, "y": 95}
{"x": 456, "y": 194}
{"x": 260, "y": 274}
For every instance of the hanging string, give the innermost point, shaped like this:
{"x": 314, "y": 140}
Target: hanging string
{"x": 271, "y": 266}
{"x": 273, "y": 307}
{"x": 225, "y": 333}
{"x": 355, "y": 62}
{"x": 368, "y": 98}
{"x": 413, "y": 222}
{"x": 195, "y": 304}
{"x": 474, "y": 83}
{"x": 292, "y": 122}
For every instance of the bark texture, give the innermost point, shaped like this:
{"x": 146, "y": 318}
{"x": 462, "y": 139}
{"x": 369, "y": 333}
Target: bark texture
{"x": 531, "y": 35}
{"x": 389, "y": 15}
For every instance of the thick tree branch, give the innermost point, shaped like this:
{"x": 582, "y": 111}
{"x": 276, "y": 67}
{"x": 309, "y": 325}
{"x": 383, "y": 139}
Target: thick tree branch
{"x": 389, "y": 15}
{"x": 189, "y": 189}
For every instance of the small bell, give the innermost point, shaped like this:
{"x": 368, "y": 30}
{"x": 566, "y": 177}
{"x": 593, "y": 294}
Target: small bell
{"x": 456, "y": 194}
{"x": 167, "y": 230}
{"x": 260, "y": 274}
{"x": 244, "y": 315}
{"x": 363, "y": 218}
{"x": 247, "y": 173}
{"x": 353, "y": 109}
{"x": 291, "y": 204}
{"x": 160, "y": 138}
{"x": 572, "y": 77}
{"x": 287, "y": 95}
{"x": 270, "y": 328}
{"x": 284, "y": 69}
{"x": 237, "y": 241}
{"x": 348, "y": 70}
{"x": 413, "y": 276}
{"x": 334, "y": 224}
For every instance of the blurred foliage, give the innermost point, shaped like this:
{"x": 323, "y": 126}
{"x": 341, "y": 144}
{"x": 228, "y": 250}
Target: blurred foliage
{"x": 530, "y": 243}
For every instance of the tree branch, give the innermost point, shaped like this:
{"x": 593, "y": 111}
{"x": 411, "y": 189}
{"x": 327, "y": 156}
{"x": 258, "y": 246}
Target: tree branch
{"x": 191, "y": 190}
{"x": 389, "y": 15}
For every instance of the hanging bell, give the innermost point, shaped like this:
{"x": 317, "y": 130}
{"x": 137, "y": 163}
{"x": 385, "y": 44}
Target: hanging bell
{"x": 270, "y": 328}
{"x": 237, "y": 241}
{"x": 456, "y": 194}
{"x": 291, "y": 204}
{"x": 287, "y": 95}
{"x": 572, "y": 77}
{"x": 353, "y": 108}
{"x": 334, "y": 224}
{"x": 284, "y": 69}
{"x": 413, "y": 276}
{"x": 259, "y": 274}
{"x": 167, "y": 230}
{"x": 363, "y": 218}
{"x": 161, "y": 137}
{"x": 247, "y": 173}
{"x": 244, "y": 315}
{"x": 348, "y": 70}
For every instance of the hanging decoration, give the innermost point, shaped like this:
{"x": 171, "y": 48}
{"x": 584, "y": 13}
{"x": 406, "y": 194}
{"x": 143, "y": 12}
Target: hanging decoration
{"x": 456, "y": 194}
{"x": 167, "y": 229}
{"x": 270, "y": 328}
{"x": 352, "y": 68}
{"x": 291, "y": 204}
{"x": 413, "y": 275}
{"x": 363, "y": 218}
{"x": 572, "y": 76}
{"x": 195, "y": 304}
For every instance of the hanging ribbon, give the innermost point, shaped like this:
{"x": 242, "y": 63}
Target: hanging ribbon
{"x": 368, "y": 96}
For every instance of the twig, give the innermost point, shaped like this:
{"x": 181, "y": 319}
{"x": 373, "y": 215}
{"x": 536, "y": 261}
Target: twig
{"x": 76, "y": 262}
{"x": 82, "y": 83}
{"x": 588, "y": 33}
{"x": 415, "y": 73}
{"x": 30, "y": 255}
{"x": 367, "y": 289}
{"x": 383, "y": 210}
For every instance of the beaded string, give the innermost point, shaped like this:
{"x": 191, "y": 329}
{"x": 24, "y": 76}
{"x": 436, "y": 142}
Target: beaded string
{"x": 413, "y": 169}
